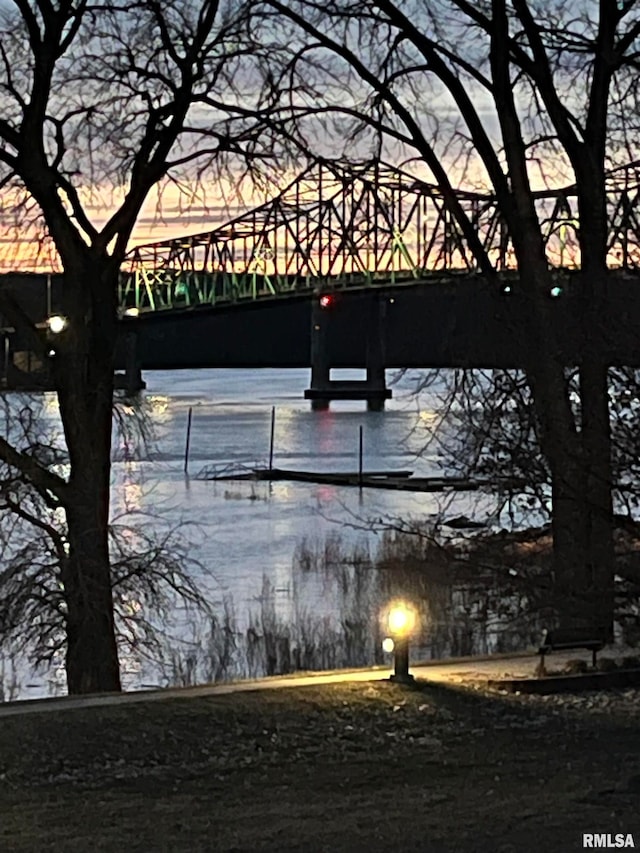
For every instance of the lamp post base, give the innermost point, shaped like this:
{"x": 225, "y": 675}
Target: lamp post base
{"x": 401, "y": 674}
{"x": 402, "y": 678}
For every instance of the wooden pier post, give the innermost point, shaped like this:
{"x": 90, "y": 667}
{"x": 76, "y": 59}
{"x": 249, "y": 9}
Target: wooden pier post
{"x": 188, "y": 441}
{"x": 273, "y": 429}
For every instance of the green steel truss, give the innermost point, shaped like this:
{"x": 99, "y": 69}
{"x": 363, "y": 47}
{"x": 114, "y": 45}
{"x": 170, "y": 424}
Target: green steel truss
{"x": 337, "y": 226}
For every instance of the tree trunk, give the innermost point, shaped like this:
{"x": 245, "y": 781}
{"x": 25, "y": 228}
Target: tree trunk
{"x": 92, "y": 656}
{"x": 598, "y": 503}
{"x": 578, "y": 454}
{"x": 561, "y": 446}
{"x": 582, "y": 520}
{"x": 597, "y": 329}
{"x": 569, "y": 525}
{"x": 582, "y": 517}
{"x": 83, "y": 372}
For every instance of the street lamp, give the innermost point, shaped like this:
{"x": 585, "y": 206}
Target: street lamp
{"x": 401, "y": 620}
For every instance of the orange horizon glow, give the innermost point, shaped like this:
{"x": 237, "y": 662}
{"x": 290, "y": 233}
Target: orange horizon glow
{"x": 167, "y": 213}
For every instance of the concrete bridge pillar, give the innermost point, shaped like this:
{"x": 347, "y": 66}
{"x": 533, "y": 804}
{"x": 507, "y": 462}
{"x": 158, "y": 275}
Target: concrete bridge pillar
{"x": 323, "y": 389}
{"x": 131, "y": 380}
{"x": 320, "y": 368}
{"x": 375, "y": 356}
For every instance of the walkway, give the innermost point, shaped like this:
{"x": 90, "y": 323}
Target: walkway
{"x": 454, "y": 671}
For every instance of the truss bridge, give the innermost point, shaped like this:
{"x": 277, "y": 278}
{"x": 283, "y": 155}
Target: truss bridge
{"x": 343, "y": 227}
{"x": 364, "y": 266}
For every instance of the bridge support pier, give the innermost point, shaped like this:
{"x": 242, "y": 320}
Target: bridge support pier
{"x": 131, "y": 381}
{"x": 323, "y": 389}
{"x": 376, "y": 381}
{"x": 320, "y": 369}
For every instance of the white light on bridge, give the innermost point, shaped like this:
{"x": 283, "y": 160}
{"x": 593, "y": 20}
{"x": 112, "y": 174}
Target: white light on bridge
{"x": 132, "y": 312}
{"x": 57, "y": 324}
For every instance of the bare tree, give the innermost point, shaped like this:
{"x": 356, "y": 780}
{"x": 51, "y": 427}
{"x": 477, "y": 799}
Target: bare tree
{"x": 151, "y": 576}
{"x": 106, "y": 99}
{"x": 510, "y": 96}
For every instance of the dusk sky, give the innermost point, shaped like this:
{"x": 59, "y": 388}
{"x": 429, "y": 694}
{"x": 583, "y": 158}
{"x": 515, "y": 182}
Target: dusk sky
{"x": 201, "y": 205}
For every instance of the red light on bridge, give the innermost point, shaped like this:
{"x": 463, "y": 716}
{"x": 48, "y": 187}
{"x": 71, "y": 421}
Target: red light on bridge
{"x": 327, "y": 300}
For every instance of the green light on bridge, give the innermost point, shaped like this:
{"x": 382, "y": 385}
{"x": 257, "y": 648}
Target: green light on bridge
{"x": 556, "y": 291}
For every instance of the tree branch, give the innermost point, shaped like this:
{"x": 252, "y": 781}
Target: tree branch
{"x": 41, "y": 477}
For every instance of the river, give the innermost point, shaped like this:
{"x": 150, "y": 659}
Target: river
{"x": 244, "y": 535}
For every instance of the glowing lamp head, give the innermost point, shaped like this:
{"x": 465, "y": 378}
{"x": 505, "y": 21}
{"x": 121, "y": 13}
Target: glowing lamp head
{"x": 132, "y": 312}
{"x": 57, "y": 324}
{"x": 388, "y": 645}
{"x": 326, "y": 300}
{"x": 401, "y": 619}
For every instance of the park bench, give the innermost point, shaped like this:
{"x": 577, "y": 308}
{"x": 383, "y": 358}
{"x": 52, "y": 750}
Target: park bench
{"x": 562, "y": 639}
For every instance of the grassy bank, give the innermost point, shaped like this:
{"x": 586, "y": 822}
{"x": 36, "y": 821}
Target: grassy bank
{"x": 362, "y": 767}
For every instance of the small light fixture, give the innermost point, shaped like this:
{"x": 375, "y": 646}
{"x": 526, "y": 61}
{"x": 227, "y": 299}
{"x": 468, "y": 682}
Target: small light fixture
{"x": 57, "y": 324}
{"x": 132, "y": 312}
{"x": 401, "y": 621}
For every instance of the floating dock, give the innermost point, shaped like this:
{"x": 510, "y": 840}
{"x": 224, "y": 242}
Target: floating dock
{"x": 393, "y": 480}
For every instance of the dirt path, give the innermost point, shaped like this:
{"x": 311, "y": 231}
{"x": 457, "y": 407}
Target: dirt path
{"x": 345, "y": 767}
